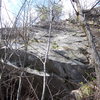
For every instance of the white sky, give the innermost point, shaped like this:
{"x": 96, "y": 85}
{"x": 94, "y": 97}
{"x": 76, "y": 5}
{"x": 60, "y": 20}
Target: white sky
{"x": 11, "y": 7}
{"x": 68, "y": 9}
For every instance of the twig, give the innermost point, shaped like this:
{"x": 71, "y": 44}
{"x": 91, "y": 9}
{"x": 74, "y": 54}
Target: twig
{"x": 31, "y": 87}
{"x": 19, "y": 86}
{"x": 94, "y": 6}
{"x": 46, "y": 57}
{"x": 50, "y": 92}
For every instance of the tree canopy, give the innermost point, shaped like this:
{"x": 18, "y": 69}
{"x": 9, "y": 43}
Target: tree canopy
{"x": 44, "y": 12}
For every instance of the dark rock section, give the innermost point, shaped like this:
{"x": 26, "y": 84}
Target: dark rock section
{"x": 21, "y": 58}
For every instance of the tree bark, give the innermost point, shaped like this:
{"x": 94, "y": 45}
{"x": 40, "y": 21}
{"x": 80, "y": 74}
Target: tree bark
{"x": 95, "y": 55}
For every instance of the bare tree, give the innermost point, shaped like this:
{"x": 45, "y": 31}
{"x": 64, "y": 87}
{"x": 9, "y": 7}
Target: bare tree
{"x": 44, "y": 11}
{"x": 0, "y": 18}
{"x": 95, "y": 55}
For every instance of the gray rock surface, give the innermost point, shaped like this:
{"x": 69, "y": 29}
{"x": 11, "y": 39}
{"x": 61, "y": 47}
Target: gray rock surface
{"x": 64, "y": 44}
{"x": 68, "y": 49}
{"x": 67, "y": 62}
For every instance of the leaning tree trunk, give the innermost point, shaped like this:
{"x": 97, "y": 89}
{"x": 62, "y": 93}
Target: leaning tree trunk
{"x": 0, "y": 19}
{"x": 95, "y": 55}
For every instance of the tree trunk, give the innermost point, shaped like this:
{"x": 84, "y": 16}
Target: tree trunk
{"x": 95, "y": 55}
{"x": 0, "y": 19}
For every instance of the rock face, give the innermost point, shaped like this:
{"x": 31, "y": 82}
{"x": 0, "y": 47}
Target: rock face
{"x": 21, "y": 58}
{"x": 59, "y": 83}
{"x": 67, "y": 61}
{"x": 67, "y": 45}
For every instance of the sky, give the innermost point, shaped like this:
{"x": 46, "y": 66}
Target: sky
{"x": 10, "y": 8}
